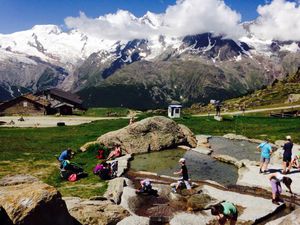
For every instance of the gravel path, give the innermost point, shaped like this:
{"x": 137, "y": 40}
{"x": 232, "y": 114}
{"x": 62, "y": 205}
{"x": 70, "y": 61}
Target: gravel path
{"x": 49, "y": 121}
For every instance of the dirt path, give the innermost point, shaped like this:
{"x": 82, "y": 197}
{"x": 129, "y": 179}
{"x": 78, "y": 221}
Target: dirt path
{"x": 49, "y": 121}
{"x": 253, "y": 110}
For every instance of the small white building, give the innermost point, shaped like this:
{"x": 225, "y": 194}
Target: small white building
{"x": 174, "y": 110}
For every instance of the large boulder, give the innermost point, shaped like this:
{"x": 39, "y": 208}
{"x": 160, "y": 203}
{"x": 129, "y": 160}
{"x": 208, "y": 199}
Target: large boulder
{"x": 115, "y": 189}
{"x": 27, "y": 201}
{"x": 151, "y": 134}
{"x": 95, "y": 212}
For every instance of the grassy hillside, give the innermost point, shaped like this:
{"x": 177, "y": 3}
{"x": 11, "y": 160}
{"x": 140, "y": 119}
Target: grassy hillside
{"x": 274, "y": 95}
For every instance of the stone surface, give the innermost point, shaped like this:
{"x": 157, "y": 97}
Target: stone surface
{"x": 95, "y": 212}
{"x": 191, "y": 219}
{"x": 203, "y": 139}
{"x": 253, "y": 207}
{"x": 130, "y": 200}
{"x": 151, "y": 134}
{"x": 202, "y": 150}
{"x": 115, "y": 189}
{"x": 230, "y": 160}
{"x": 218, "y": 118}
{"x": 291, "y": 219}
{"x": 32, "y": 202}
{"x": 86, "y": 145}
{"x": 249, "y": 176}
{"x": 135, "y": 220}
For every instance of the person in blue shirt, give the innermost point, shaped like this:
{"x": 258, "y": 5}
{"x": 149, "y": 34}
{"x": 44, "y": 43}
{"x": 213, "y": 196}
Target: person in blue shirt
{"x": 65, "y": 155}
{"x": 266, "y": 151}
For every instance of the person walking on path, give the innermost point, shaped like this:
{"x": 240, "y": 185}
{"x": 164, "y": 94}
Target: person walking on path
{"x": 287, "y": 155}
{"x": 275, "y": 180}
{"x": 185, "y": 177}
{"x": 225, "y": 211}
{"x": 266, "y": 151}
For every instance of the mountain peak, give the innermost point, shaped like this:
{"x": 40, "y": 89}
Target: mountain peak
{"x": 47, "y": 29}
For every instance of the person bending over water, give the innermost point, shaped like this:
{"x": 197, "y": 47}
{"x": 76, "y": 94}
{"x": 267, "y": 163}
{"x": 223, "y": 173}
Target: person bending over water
{"x": 275, "y": 180}
{"x": 225, "y": 211}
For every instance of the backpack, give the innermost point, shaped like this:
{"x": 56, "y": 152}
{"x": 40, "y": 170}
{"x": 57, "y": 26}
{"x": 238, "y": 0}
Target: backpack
{"x": 97, "y": 168}
{"x": 72, "y": 177}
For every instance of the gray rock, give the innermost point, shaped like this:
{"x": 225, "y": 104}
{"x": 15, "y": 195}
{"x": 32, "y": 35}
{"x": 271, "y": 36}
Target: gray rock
{"x": 191, "y": 219}
{"x": 202, "y": 150}
{"x": 291, "y": 219}
{"x": 135, "y": 220}
{"x": 151, "y": 134}
{"x": 230, "y": 160}
{"x": 28, "y": 201}
{"x": 95, "y": 212}
{"x": 115, "y": 189}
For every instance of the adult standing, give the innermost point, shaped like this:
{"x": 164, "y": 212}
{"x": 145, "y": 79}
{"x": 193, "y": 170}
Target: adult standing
{"x": 287, "y": 155}
{"x": 265, "y": 156}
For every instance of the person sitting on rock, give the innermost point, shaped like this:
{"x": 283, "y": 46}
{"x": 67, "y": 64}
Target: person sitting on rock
{"x": 296, "y": 160}
{"x": 117, "y": 152}
{"x": 185, "y": 177}
{"x": 275, "y": 180}
{"x": 225, "y": 211}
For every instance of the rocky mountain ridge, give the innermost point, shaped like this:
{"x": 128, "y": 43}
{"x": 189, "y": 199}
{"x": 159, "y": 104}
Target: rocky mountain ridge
{"x": 203, "y": 66}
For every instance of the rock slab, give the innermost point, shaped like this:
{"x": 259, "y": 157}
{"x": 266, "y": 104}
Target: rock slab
{"x": 32, "y": 202}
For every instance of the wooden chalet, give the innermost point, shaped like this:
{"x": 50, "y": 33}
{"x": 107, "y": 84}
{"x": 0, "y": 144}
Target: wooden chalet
{"x": 27, "y": 104}
{"x": 47, "y": 102}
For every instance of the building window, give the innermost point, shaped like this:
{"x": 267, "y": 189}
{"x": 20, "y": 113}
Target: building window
{"x": 25, "y": 104}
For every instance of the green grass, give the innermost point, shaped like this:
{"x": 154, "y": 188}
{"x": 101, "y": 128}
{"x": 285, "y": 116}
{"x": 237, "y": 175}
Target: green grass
{"x": 249, "y": 126}
{"x": 104, "y": 112}
{"x": 32, "y": 150}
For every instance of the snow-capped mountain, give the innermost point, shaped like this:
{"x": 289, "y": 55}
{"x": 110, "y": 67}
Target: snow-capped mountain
{"x": 46, "y": 56}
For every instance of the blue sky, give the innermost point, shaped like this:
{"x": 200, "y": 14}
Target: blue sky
{"x": 16, "y": 15}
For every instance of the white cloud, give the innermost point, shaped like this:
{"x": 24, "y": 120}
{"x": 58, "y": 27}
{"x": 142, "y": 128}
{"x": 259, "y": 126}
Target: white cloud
{"x": 184, "y": 18}
{"x": 279, "y": 20}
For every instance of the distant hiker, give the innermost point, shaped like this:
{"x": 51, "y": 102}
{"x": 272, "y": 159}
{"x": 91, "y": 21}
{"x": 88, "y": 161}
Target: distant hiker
{"x": 266, "y": 151}
{"x": 287, "y": 155}
{"x": 275, "y": 180}
{"x": 131, "y": 121}
{"x": 218, "y": 108}
{"x": 225, "y": 211}
{"x": 184, "y": 180}
{"x": 117, "y": 152}
{"x": 65, "y": 155}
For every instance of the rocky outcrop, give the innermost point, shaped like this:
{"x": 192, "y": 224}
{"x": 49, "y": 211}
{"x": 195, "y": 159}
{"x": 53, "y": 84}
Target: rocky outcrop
{"x": 151, "y": 134}
{"x": 28, "y": 201}
{"x": 115, "y": 189}
{"x": 230, "y": 160}
{"x": 135, "y": 220}
{"x": 93, "y": 212}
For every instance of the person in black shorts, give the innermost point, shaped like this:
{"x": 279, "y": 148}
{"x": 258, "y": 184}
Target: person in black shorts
{"x": 287, "y": 155}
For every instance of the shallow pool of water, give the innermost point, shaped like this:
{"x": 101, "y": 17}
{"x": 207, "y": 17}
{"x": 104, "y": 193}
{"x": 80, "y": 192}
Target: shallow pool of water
{"x": 236, "y": 148}
{"x": 200, "y": 167}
